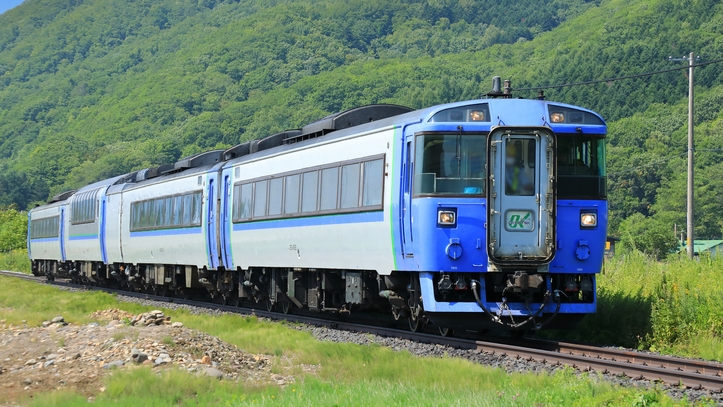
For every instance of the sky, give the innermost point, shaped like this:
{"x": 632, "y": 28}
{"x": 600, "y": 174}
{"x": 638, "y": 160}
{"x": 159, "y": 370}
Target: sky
{"x": 8, "y": 4}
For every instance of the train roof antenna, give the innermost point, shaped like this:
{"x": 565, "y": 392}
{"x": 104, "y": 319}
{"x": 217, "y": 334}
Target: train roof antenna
{"x": 497, "y": 89}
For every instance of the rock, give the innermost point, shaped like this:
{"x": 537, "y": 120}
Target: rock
{"x": 117, "y": 363}
{"x": 27, "y": 382}
{"x": 159, "y": 361}
{"x": 177, "y": 325}
{"x": 138, "y": 357}
{"x": 94, "y": 324}
{"x": 31, "y": 362}
{"x": 46, "y": 324}
{"x": 57, "y": 319}
{"x": 52, "y": 356}
{"x": 206, "y": 360}
{"x": 213, "y": 372}
{"x": 48, "y": 363}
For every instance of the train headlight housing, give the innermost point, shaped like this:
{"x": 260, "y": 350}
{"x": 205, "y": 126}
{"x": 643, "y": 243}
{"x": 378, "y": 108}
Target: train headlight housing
{"x": 588, "y": 219}
{"x": 557, "y": 117}
{"x": 446, "y": 217}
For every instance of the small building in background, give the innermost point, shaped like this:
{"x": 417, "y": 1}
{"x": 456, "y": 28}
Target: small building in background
{"x": 713, "y": 247}
{"x": 610, "y": 246}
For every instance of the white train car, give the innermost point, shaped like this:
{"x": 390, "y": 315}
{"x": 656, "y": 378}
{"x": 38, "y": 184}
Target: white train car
{"x": 45, "y": 237}
{"x": 164, "y": 221}
{"x": 327, "y": 205}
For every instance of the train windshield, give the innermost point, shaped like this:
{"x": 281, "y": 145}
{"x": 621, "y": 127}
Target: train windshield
{"x": 581, "y": 167}
{"x": 450, "y": 164}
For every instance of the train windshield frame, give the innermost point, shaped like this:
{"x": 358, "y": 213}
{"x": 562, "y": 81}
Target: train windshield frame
{"x": 581, "y": 169}
{"x": 450, "y": 164}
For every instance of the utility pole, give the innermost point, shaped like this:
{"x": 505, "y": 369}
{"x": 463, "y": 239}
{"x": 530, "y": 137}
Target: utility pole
{"x": 690, "y": 242}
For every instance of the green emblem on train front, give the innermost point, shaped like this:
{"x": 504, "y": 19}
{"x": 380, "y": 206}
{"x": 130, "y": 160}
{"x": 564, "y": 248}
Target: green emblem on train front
{"x": 521, "y": 221}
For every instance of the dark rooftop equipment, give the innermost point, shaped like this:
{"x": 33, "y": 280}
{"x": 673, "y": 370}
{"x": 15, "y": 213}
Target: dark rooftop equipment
{"x": 273, "y": 141}
{"x": 62, "y": 196}
{"x": 154, "y": 172}
{"x": 237, "y": 151}
{"x": 198, "y": 160}
{"x": 346, "y": 119}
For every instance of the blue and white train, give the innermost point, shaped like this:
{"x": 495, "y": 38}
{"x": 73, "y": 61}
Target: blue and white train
{"x": 463, "y": 215}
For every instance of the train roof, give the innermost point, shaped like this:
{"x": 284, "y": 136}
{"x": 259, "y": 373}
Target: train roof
{"x": 338, "y": 125}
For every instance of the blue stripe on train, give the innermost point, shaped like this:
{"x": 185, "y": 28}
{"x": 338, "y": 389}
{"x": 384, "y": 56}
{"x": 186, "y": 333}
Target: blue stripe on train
{"x": 166, "y": 232}
{"x": 335, "y": 219}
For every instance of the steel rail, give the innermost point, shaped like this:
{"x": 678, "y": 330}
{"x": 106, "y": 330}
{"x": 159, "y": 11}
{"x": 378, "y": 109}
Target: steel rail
{"x": 638, "y": 365}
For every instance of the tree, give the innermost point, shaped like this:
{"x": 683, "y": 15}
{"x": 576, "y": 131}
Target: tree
{"x": 647, "y": 235}
{"x": 13, "y": 229}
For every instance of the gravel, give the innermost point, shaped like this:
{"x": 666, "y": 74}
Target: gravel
{"x": 508, "y": 364}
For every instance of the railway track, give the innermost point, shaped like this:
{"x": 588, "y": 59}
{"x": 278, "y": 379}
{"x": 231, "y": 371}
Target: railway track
{"x": 670, "y": 370}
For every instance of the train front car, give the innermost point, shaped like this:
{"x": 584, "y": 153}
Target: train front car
{"x": 503, "y": 213}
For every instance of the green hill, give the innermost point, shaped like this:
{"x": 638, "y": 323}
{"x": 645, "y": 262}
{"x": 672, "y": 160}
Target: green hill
{"x": 94, "y": 88}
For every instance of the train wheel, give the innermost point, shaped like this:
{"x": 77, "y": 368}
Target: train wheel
{"x": 235, "y": 300}
{"x": 446, "y": 332}
{"x": 269, "y": 305}
{"x": 416, "y": 324}
{"x": 286, "y": 306}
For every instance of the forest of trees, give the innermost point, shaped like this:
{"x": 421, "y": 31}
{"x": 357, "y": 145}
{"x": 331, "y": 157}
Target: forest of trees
{"x": 94, "y": 88}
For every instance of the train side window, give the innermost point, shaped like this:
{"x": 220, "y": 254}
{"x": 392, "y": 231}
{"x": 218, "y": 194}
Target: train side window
{"x": 196, "y": 209}
{"x": 260, "y": 188}
{"x": 244, "y": 203}
{"x": 329, "y": 185}
{"x": 309, "y": 191}
{"x": 372, "y": 185}
{"x": 158, "y": 212}
{"x": 275, "y": 194}
{"x": 186, "y": 210}
{"x": 168, "y": 216}
{"x": 291, "y": 199}
{"x": 350, "y": 186}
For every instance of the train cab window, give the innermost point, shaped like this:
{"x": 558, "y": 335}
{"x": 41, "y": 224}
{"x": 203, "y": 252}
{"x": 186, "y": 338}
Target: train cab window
{"x": 581, "y": 166}
{"x": 329, "y": 185}
{"x": 260, "y": 188}
{"x": 291, "y": 197}
{"x": 450, "y": 164}
{"x": 276, "y": 186}
{"x": 519, "y": 177}
{"x": 309, "y": 191}
{"x": 350, "y": 186}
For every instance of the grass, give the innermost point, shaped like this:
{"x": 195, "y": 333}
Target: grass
{"x": 141, "y": 386}
{"x": 674, "y": 306}
{"x": 348, "y": 374}
{"x": 15, "y": 260}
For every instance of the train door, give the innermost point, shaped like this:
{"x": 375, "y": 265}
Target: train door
{"x": 225, "y": 220}
{"x": 102, "y": 232}
{"x": 522, "y": 199}
{"x": 405, "y": 204}
{"x": 211, "y": 237}
{"x": 61, "y": 235}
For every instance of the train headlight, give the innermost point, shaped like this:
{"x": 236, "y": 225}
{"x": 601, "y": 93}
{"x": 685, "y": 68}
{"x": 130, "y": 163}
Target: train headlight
{"x": 446, "y": 218}
{"x": 588, "y": 219}
{"x": 477, "y": 116}
{"x": 557, "y": 117}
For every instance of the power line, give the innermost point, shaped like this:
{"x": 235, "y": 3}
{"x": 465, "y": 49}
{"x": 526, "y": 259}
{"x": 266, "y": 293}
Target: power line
{"x": 640, "y": 75}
